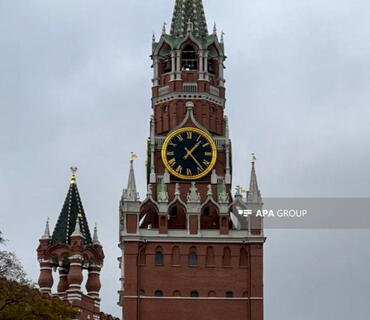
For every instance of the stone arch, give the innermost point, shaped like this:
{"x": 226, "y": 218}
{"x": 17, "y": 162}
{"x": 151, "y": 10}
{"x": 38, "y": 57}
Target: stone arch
{"x": 209, "y": 218}
{"x": 149, "y": 216}
{"x": 212, "y": 294}
{"x": 164, "y": 59}
{"x": 193, "y": 257}
{"x": 243, "y": 258}
{"x": 210, "y": 257}
{"x": 177, "y": 215}
{"x": 176, "y": 257}
{"x": 226, "y": 258}
{"x": 158, "y": 256}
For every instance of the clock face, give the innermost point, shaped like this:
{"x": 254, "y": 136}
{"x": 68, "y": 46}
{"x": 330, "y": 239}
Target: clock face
{"x": 189, "y": 153}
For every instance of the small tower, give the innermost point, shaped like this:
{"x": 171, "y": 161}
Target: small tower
{"x": 70, "y": 250}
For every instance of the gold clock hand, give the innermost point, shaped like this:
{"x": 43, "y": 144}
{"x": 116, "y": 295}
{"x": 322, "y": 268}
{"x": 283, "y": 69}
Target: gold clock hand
{"x": 192, "y": 150}
{"x": 195, "y": 160}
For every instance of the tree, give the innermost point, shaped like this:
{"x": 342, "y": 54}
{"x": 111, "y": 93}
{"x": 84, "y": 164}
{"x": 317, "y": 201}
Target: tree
{"x": 10, "y": 266}
{"x": 20, "y": 300}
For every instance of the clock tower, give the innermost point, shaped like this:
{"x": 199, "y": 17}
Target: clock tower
{"x": 187, "y": 249}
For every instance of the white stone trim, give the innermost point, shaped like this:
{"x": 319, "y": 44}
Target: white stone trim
{"x": 194, "y": 298}
{"x": 46, "y": 268}
{"x": 188, "y": 96}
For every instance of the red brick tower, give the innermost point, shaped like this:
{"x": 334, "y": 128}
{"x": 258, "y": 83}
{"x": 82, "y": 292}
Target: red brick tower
{"x": 70, "y": 250}
{"x": 187, "y": 252}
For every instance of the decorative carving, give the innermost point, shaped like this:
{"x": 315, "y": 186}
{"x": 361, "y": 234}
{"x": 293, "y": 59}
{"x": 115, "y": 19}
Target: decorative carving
{"x": 193, "y": 195}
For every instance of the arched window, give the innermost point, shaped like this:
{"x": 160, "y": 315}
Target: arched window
{"x": 159, "y": 257}
{"x": 194, "y": 294}
{"x": 142, "y": 257}
{"x": 210, "y": 257}
{"x": 193, "y": 257}
{"x": 243, "y": 260}
{"x": 245, "y": 294}
{"x": 175, "y": 258}
{"x": 158, "y": 293}
{"x": 211, "y": 294}
{"x": 173, "y": 213}
{"x": 226, "y": 259}
{"x": 189, "y": 59}
{"x": 142, "y": 292}
{"x": 176, "y": 293}
{"x": 229, "y": 294}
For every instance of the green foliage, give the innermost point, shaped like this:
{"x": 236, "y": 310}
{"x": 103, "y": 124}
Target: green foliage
{"x": 20, "y": 302}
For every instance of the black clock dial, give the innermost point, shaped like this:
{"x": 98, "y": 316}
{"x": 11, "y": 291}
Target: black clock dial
{"x": 189, "y": 154}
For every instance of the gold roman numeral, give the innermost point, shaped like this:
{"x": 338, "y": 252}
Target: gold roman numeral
{"x": 205, "y": 145}
{"x": 179, "y": 137}
{"x": 172, "y": 162}
{"x": 179, "y": 169}
{"x": 171, "y": 153}
{"x": 200, "y": 170}
{"x": 208, "y": 154}
{"x": 189, "y": 135}
{"x": 206, "y": 163}
{"x": 199, "y": 136}
{"x": 188, "y": 172}
{"x": 172, "y": 144}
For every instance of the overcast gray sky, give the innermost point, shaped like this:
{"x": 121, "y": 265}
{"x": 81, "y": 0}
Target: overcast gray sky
{"x": 75, "y": 83}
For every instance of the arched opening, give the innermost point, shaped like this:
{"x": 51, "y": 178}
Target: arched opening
{"x": 229, "y": 294}
{"x": 226, "y": 259}
{"x": 213, "y": 55}
{"x": 189, "y": 58}
{"x": 243, "y": 259}
{"x": 165, "y": 60}
{"x": 193, "y": 257}
{"x": 158, "y": 257}
{"x": 176, "y": 293}
{"x": 245, "y": 294}
{"x": 211, "y": 294}
{"x": 175, "y": 258}
{"x": 210, "y": 257}
{"x": 194, "y": 294}
{"x": 158, "y": 293}
{"x": 209, "y": 218}
{"x": 177, "y": 217}
{"x": 141, "y": 292}
{"x": 148, "y": 217}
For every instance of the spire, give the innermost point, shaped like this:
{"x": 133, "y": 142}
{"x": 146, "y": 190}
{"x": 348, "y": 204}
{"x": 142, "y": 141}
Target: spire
{"x": 46, "y": 234}
{"x": 72, "y": 212}
{"x": 95, "y": 237}
{"x": 77, "y": 232}
{"x": 185, "y": 12}
{"x": 254, "y": 194}
{"x": 130, "y": 194}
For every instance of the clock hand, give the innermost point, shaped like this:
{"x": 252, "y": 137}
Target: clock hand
{"x": 191, "y": 151}
{"x": 195, "y": 160}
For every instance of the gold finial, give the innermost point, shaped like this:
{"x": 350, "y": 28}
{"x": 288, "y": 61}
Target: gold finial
{"x": 242, "y": 190}
{"x": 254, "y": 159}
{"x": 79, "y": 215}
{"x": 74, "y": 170}
{"x": 133, "y": 156}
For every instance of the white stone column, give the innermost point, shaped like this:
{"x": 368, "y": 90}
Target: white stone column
{"x": 221, "y": 71}
{"x": 155, "y": 72}
{"x": 173, "y": 65}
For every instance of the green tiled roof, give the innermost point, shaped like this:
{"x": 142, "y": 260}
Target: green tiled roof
{"x": 185, "y": 11}
{"x": 67, "y": 219}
